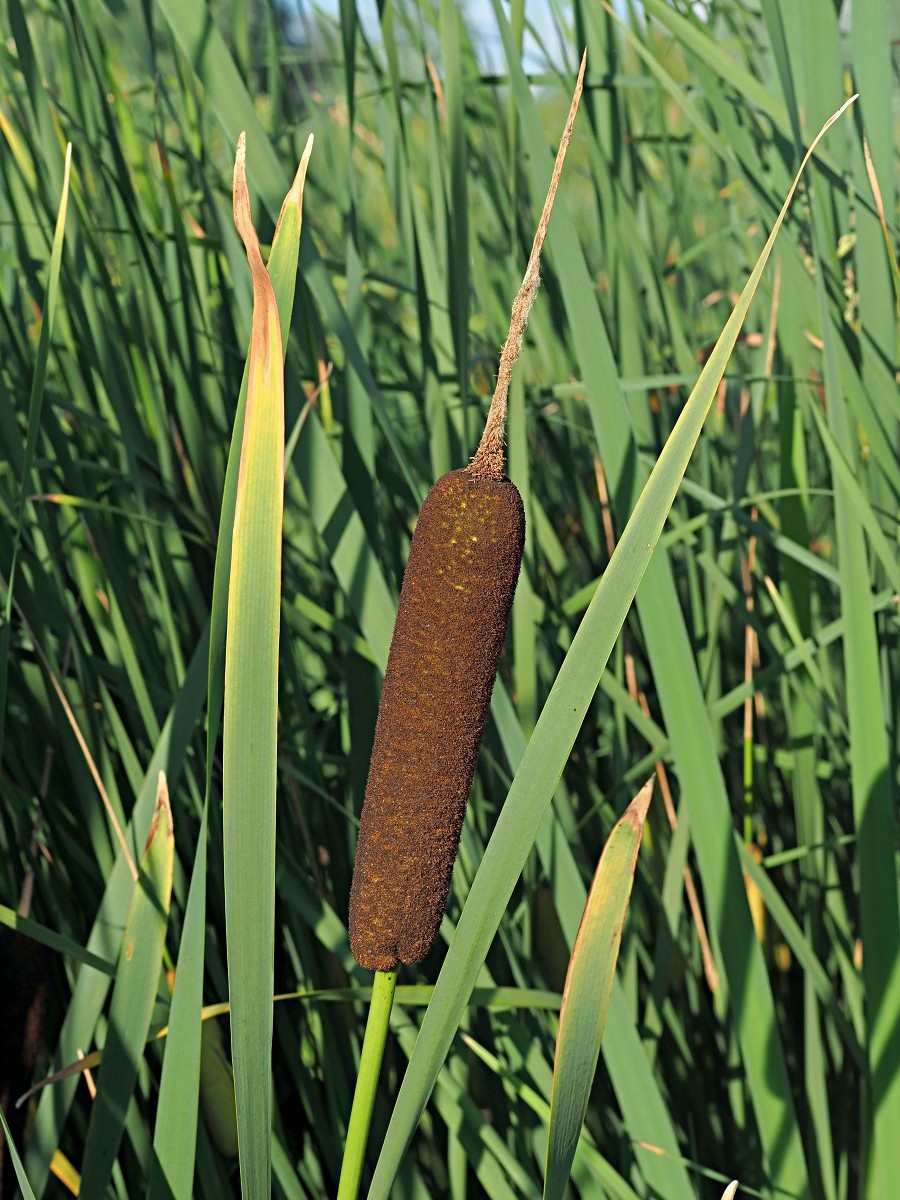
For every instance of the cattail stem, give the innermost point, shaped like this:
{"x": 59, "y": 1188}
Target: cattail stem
{"x": 383, "y": 986}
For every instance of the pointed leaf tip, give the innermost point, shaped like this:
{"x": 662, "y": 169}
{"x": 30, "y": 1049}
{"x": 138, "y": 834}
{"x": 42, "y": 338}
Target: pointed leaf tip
{"x": 587, "y": 991}
{"x": 636, "y": 812}
{"x": 241, "y": 202}
{"x": 162, "y": 812}
{"x": 163, "y": 804}
{"x": 239, "y": 179}
{"x": 295, "y": 195}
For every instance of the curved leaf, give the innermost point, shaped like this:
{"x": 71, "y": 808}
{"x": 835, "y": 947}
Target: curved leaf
{"x": 589, "y": 982}
{"x": 134, "y": 994}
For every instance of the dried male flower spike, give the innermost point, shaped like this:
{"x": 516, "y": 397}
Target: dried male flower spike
{"x": 451, "y": 625}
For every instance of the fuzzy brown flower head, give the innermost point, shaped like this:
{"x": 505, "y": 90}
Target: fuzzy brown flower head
{"x": 451, "y": 625}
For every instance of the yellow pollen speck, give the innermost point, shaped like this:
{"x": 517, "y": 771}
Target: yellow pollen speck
{"x": 453, "y": 541}
{"x": 474, "y": 538}
{"x": 459, "y": 587}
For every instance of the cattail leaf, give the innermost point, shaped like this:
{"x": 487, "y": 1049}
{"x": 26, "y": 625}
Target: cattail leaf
{"x": 175, "y": 1132}
{"x": 589, "y": 982}
{"x": 251, "y": 714}
{"x": 187, "y": 1054}
{"x": 14, "y": 1158}
{"x": 546, "y": 754}
{"x": 251, "y": 710}
{"x": 282, "y": 270}
{"x": 134, "y": 995}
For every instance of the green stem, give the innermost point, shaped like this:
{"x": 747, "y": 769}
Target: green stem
{"x": 367, "y": 1083}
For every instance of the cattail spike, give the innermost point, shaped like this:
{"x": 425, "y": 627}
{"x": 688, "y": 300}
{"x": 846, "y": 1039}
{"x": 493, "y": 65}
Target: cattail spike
{"x": 451, "y": 625}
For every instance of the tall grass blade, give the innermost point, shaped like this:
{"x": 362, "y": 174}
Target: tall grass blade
{"x": 251, "y": 714}
{"x": 589, "y": 982}
{"x": 134, "y": 995}
{"x": 190, "y": 1046}
{"x": 13, "y": 1153}
{"x": 175, "y": 1132}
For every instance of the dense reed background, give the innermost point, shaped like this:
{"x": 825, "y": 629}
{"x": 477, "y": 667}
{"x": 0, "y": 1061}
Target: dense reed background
{"x": 760, "y": 665}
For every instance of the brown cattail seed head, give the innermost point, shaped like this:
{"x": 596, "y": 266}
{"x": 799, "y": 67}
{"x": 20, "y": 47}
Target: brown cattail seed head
{"x": 451, "y": 625}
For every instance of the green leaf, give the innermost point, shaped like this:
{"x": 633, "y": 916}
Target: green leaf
{"x": 175, "y": 1132}
{"x": 16, "y": 1161}
{"x": 134, "y": 994}
{"x": 250, "y": 741}
{"x": 592, "y": 969}
{"x": 190, "y": 1050}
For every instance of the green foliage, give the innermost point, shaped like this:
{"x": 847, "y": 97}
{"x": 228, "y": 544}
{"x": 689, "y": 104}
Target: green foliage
{"x": 764, "y": 639}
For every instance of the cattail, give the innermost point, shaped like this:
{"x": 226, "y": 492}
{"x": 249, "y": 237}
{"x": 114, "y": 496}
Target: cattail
{"x": 451, "y": 625}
